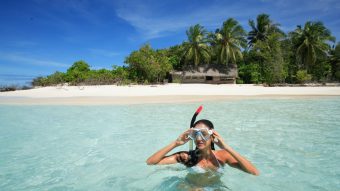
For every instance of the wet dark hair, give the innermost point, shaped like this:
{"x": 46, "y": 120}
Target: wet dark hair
{"x": 194, "y": 154}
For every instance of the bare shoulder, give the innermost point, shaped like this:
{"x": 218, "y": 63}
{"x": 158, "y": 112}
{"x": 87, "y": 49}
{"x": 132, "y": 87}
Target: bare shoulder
{"x": 223, "y": 155}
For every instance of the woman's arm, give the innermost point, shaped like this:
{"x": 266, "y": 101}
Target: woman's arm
{"x": 160, "y": 158}
{"x": 235, "y": 159}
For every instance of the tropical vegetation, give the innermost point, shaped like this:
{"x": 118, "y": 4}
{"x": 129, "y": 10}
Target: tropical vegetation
{"x": 263, "y": 55}
{"x": 228, "y": 41}
{"x": 196, "y": 48}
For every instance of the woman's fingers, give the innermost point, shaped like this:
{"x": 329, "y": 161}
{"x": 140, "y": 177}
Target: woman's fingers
{"x": 216, "y": 136}
{"x": 216, "y": 133}
{"x": 184, "y": 136}
{"x": 186, "y": 133}
{"x": 219, "y": 138}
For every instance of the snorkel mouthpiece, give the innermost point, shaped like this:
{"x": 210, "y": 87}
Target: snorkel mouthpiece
{"x": 193, "y": 119}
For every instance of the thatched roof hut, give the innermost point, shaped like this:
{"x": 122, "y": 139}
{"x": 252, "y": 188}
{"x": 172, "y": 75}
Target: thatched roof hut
{"x": 214, "y": 74}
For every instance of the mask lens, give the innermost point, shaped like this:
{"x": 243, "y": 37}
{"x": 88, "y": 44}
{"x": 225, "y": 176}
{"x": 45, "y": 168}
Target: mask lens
{"x": 192, "y": 134}
{"x": 203, "y": 133}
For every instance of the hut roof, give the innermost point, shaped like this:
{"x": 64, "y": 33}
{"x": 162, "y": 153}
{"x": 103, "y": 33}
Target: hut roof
{"x": 209, "y": 70}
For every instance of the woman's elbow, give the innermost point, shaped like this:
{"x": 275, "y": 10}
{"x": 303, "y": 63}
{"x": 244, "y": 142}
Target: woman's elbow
{"x": 150, "y": 162}
{"x": 255, "y": 172}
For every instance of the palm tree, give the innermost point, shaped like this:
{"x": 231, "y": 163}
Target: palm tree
{"x": 311, "y": 41}
{"x": 335, "y": 61}
{"x": 263, "y": 28}
{"x": 228, "y": 41}
{"x": 196, "y": 49}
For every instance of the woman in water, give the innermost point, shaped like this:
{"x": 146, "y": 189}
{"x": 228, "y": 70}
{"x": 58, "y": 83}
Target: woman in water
{"x": 204, "y": 158}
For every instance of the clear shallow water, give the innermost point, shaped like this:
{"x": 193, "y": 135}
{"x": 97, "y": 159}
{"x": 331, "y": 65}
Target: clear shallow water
{"x": 295, "y": 143}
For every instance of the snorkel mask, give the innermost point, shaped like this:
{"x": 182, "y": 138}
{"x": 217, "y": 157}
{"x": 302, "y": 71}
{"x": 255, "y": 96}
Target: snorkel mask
{"x": 203, "y": 133}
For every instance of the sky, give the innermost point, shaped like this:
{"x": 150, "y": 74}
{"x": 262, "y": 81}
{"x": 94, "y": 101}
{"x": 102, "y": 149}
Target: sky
{"x": 39, "y": 37}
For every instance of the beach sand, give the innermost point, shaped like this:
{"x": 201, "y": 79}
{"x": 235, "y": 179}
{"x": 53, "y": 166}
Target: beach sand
{"x": 168, "y": 93}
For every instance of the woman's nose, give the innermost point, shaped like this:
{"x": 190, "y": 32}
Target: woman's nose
{"x": 199, "y": 137}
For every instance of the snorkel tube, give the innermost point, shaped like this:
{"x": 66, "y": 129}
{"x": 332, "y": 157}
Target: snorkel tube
{"x": 193, "y": 119}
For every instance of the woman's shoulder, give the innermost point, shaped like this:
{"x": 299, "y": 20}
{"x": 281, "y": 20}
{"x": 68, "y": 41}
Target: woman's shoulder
{"x": 222, "y": 155}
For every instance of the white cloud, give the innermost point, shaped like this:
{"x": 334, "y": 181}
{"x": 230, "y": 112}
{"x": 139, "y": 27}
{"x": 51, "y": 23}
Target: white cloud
{"x": 153, "y": 21}
{"x": 23, "y": 59}
{"x": 55, "y": 15}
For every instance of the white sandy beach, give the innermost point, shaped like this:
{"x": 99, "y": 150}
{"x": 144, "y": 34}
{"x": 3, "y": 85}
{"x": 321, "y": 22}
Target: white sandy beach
{"x": 169, "y": 93}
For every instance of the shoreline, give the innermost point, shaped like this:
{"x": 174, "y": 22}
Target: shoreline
{"x": 149, "y": 94}
{"x": 145, "y": 99}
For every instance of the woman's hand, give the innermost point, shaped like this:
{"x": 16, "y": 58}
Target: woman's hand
{"x": 218, "y": 140}
{"x": 183, "y": 138}
{"x": 160, "y": 156}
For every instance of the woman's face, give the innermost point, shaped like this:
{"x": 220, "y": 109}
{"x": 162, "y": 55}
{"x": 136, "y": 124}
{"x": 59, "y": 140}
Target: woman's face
{"x": 199, "y": 141}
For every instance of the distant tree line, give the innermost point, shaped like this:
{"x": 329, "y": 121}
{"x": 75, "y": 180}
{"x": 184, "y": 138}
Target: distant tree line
{"x": 81, "y": 74}
{"x": 263, "y": 55}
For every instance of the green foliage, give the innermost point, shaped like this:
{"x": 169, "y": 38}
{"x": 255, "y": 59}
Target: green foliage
{"x": 77, "y": 73}
{"x": 265, "y": 52}
{"x": 80, "y": 74}
{"x": 311, "y": 42}
{"x": 148, "y": 65}
{"x": 337, "y": 75}
{"x": 120, "y": 73}
{"x": 175, "y": 55}
{"x": 263, "y": 28}
{"x": 175, "y": 62}
{"x": 239, "y": 81}
{"x": 56, "y": 78}
{"x": 302, "y": 76}
{"x": 250, "y": 73}
{"x": 53, "y": 79}
{"x": 38, "y": 81}
{"x": 5, "y": 88}
{"x": 288, "y": 54}
{"x": 268, "y": 60}
{"x": 334, "y": 61}
{"x": 8, "y": 88}
{"x": 79, "y": 66}
{"x": 99, "y": 77}
{"x": 228, "y": 41}
{"x": 196, "y": 49}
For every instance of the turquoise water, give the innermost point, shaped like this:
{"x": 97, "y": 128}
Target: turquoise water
{"x": 295, "y": 143}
